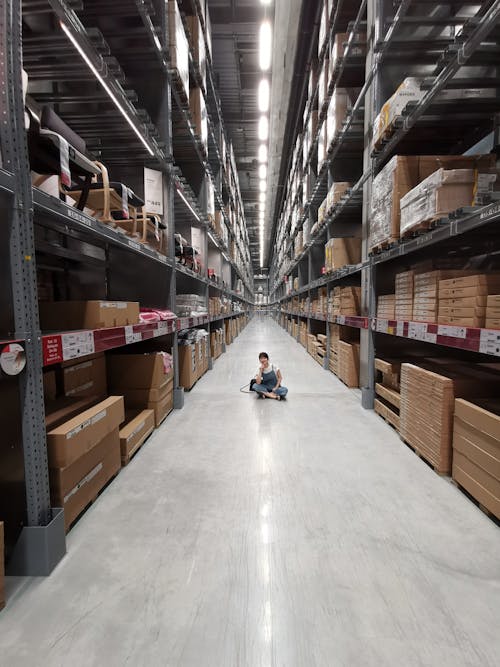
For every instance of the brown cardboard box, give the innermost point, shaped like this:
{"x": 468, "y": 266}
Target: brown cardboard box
{"x": 135, "y": 430}
{"x": 2, "y": 571}
{"x": 178, "y": 45}
{"x": 198, "y": 45}
{"x": 473, "y": 322}
{"x": 492, "y": 323}
{"x": 199, "y": 115}
{"x": 482, "y": 486}
{"x": 49, "y": 384}
{"x": 85, "y": 378}
{"x": 72, "y": 315}
{"x": 62, "y": 409}
{"x": 138, "y": 371}
{"x": 493, "y": 300}
{"x": 345, "y": 252}
{"x": 187, "y": 365}
{"x": 76, "y": 437}
{"x": 491, "y": 281}
{"x": 162, "y": 408}
{"x": 465, "y": 302}
{"x": 76, "y": 485}
{"x": 140, "y": 397}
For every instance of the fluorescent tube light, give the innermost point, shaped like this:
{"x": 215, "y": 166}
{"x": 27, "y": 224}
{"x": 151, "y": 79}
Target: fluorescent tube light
{"x": 265, "y": 45}
{"x": 262, "y": 197}
{"x": 263, "y": 186}
{"x": 212, "y": 238}
{"x": 262, "y": 153}
{"x": 181, "y": 195}
{"x": 105, "y": 86}
{"x": 264, "y": 96}
{"x": 263, "y": 171}
{"x": 263, "y": 128}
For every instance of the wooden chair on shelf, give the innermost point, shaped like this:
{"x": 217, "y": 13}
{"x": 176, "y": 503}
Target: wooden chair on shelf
{"x": 151, "y": 224}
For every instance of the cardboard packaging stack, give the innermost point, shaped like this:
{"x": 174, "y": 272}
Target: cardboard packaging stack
{"x": 84, "y": 454}
{"x": 83, "y": 377}
{"x": 476, "y": 452}
{"x": 387, "y": 389}
{"x": 72, "y": 315}
{"x": 198, "y": 46}
{"x": 428, "y": 400}
{"x": 345, "y": 301}
{"x": 403, "y": 309}
{"x": 228, "y": 332}
{"x": 342, "y": 252}
{"x": 216, "y": 342}
{"x": 145, "y": 381}
{"x": 316, "y": 346}
{"x": 408, "y": 91}
{"x": 179, "y": 48}
{"x": 199, "y": 116}
{"x": 348, "y": 363}
{"x": 2, "y": 572}
{"x": 438, "y": 195}
{"x": 335, "y": 194}
{"x": 463, "y": 300}
{"x": 404, "y": 173}
{"x": 493, "y": 311}
{"x": 386, "y": 307}
{"x": 426, "y": 294}
{"x": 302, "y": 331}
{"x": 299, "y": 243}
{"x": 338, "y": 46}
{"x": 338, "y": 108}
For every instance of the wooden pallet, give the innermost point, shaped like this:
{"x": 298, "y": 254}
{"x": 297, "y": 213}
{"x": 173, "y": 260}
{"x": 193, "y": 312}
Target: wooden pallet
{"x": 476, "y": 502}
{"x": 91, "y": 502}
{"x": 421, "y": 455}
{"x": 384, "y": 245}
{"x": 422, "y": 228}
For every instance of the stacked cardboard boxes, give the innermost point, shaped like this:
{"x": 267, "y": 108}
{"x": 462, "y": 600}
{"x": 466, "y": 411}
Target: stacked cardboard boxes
{"x": 179, "y": 49}
{"x": 84, "y": 454}
{"x": 302, "y": 332}
{"x": 348, "y": 363}
{"x": 426, "y": 293}
{"x": 386, "y": 307}
{"x": 146, "y": 382}
{"x": 345, "y": 301}
{"x": 476, "y": 452}
{"x": 463, "y": 299}
{"x": 198, "y": 110}
{"x": 198, "y": 45}
{"x": 493, "y": 311}
{"x": 387, "y": 389}
{"x": 403, "y": 308}
{"x": 216, "y": 342}
{"x": 428, "y": 395}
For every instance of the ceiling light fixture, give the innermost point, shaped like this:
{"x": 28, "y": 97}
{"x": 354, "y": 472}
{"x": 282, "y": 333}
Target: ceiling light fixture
{"x": 265, "y": 45}
{"x": 263, "y": 186}
{"x": 263, "y": 128}
{"x": 262, "y": 197}
{"x": 263, "y": 171}
{"x": 105, "y": 86}
{"x": 264, "y": 96}
{"x": 262, "y": 153}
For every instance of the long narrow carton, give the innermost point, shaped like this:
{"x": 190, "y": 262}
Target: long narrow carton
{"x": 134, "y": 432}
{"x": 138, "y": 371}
{"x": 76, "y": 437}
{"x": 71, "y": 315}
{"x": 85, "y": 378}
{"x": 76, "y": 485}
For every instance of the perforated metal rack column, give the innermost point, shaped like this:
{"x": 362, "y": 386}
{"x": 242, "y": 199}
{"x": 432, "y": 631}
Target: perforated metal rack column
{"x": 42, "y": 543}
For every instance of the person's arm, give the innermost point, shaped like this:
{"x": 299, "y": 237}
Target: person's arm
{"x": 278, "y": 375}
{"x": 258, "y": 377}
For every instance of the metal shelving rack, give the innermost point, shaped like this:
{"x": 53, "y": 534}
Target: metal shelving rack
{"x": 449, "y": 45}
{"x": 41, "y": 226}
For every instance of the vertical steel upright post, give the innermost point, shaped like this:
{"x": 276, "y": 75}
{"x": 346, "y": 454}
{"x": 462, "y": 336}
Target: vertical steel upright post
{"x": 42, "y": 542}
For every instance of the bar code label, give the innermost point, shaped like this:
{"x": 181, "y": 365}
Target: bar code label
{"x": 131, "y": 336}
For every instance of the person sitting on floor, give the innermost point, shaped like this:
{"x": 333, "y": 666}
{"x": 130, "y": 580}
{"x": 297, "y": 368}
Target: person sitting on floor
{"x": 268, "y": 380}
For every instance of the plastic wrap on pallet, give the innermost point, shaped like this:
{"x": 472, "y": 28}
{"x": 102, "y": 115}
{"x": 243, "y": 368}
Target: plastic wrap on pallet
{"x": 381, "y": 218}
{"x": 335, "y": 194}
{"x": 438, "y": 195}
{"x": 408, "y": 91}
{"x": 338, "y": 109}
{"x": 179, "y": 48}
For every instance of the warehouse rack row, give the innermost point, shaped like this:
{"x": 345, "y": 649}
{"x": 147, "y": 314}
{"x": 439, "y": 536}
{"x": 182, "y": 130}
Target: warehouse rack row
{"x": 385, "y": 262}
{"x": 125, "y": 239}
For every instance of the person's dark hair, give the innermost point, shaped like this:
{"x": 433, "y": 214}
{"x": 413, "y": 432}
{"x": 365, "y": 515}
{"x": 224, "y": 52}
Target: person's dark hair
{"x": 263, "y": 355}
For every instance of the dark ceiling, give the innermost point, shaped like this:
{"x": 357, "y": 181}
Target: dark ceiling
{"x": 235, "y": 28}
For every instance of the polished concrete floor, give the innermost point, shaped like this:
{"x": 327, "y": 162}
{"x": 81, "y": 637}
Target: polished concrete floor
{"x": 254, "y": 533}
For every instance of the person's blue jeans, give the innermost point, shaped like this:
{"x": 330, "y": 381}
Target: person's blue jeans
{"x": 262, "y": 389}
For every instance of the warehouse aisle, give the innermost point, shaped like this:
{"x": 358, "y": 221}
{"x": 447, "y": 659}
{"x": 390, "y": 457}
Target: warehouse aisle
{"x": 256, "y": 533}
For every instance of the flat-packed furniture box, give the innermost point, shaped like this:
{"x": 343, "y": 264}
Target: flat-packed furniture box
{"x": 493, "y": 311}
{"x": 335, "y": 194}
{"x": 2, "y": 570}
{"x": 198, "y": 46}
{"x": 426, "y": 294}
{"x": 386, "y": 306}
{"x": 188, "y": 370}
{"x": 198, "y": 111}
{"x": 342, "y": 252}
{"x": 345, "y": 301}
{"x": 428, "y": 400}
{"x": 178, "y": 47}
{"x": 72, "y": 315}
{"x": 438, "y": 195}
{"x": 348, "y": 363}
{"x": 403, "y": 308}
{"x": 73, "y": 439}
{"x": 463, "y": 300}
{"x": 228, "y": 332}
{"x": 476, "y": 452}
{"x": 62, "y": 409}
{"x": 134, "y": 431}
{"x": 338, "y": 108}
{"x": 84, "y": 377}
{"x": 387, "y": 390}
{"x": 77, "y": 484}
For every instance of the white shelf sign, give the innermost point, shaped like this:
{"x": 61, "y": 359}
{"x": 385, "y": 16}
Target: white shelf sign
{"x": 489, "y": 342}
{"x": 77, "y": 344}
{"x": 153, "y": 191}
{"x": 452, "y": 332}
